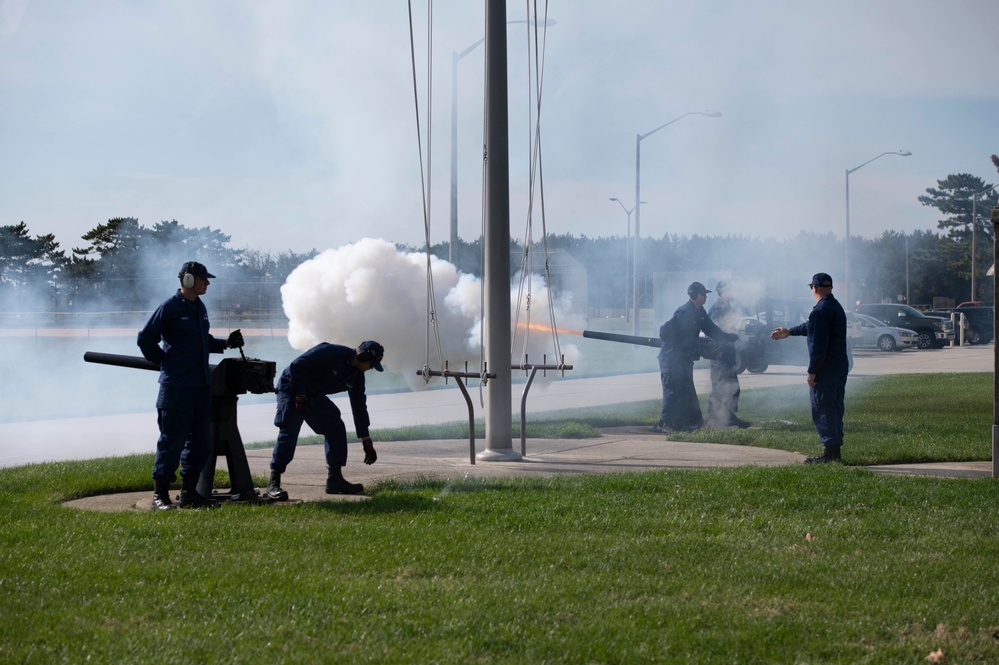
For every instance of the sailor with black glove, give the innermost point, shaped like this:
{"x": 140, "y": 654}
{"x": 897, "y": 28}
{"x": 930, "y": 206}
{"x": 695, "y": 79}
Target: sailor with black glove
{"x": 302, "y": 391}
{"x": 177, "y": 339}
{"x": 234, "y": 340}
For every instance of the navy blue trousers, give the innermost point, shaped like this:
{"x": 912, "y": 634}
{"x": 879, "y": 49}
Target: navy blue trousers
{"x": 827, "y": 409}
{"x": 184, "y": 416}
{"x": 323, "y": 417}
{"x": 681, "y": 409}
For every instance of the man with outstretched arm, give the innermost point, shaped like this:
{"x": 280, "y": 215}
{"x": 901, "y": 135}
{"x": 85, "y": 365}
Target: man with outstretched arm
{"x": 828, "y": 365}
{"x": 302, "y": 391}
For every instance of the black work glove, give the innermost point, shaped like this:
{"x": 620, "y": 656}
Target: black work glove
{"x": 732, "y": 337}
{"x": 370, "y": 456}
{"x": 302, "y": 403}
{"x": 235, "y": 340}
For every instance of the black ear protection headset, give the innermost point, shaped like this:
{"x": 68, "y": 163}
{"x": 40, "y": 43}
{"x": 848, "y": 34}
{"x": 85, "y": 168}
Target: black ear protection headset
{"x": 364, "y": 356}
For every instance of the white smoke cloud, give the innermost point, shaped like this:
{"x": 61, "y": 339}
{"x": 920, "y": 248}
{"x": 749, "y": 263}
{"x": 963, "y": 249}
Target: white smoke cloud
{"x": 370, "y": 290}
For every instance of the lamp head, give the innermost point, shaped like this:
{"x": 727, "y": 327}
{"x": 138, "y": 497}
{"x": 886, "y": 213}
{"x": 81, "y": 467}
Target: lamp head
{"x": 904, "y": 153}
{"x": 712, "y": 114}
{"x": 615, "y": 199}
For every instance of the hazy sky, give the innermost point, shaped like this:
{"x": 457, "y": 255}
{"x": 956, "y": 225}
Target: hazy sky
{"x": 291, "y": 124}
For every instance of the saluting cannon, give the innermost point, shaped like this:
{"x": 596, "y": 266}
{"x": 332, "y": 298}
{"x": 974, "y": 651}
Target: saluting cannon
{"x": 624, "y": 339}
{"x": 706, "y": 347}
{"x": 230, "y": 378}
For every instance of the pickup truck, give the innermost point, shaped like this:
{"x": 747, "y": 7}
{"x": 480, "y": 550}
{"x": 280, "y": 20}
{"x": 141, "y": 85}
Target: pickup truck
{"x": 979, "y": 321}
{"x": 934, "y": 332}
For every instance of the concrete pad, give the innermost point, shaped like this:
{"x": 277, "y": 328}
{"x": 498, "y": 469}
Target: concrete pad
{"x": 448, "y": 459}
{"x": 619, "y": 449}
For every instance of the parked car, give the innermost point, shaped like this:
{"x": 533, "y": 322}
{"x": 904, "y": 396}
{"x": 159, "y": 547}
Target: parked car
{"x": 755, "y": 351}
{"x": 933, "y": 332}
{"x": 876, "y": 335}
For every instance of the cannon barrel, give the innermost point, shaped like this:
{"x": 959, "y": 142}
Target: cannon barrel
{"x": 231, "y": 377}
{"x": 118, "y": 360}
{"x": 654, "y": 342}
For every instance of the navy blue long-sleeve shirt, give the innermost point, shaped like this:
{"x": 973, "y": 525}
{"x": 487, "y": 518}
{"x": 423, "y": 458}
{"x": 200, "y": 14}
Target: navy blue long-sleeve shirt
{"x": 826, "y": 333}
{"x": 182, "y": 325}
{"x": 326, "y": 369}
{"x": 679, "y": 334}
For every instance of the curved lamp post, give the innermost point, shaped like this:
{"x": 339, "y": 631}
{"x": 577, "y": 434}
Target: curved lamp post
{"x": 456, "y": 57}
{"x": 627, "y": 242}
{"x": 638, "y": 197}
{"x": 846, "y": 239}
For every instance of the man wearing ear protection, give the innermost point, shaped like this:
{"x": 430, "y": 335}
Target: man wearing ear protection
{"x": 302, "y": 391}
{"x": 184, "y": 402}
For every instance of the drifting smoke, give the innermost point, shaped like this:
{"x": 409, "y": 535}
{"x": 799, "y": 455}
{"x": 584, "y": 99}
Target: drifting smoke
{"x": 370, "y": 290}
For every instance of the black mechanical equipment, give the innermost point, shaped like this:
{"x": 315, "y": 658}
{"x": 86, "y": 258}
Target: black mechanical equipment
{"x": 230, "y": 378}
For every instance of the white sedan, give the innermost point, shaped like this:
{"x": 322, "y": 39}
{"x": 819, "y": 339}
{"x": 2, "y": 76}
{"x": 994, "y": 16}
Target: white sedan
{"x": 877, "y": 335}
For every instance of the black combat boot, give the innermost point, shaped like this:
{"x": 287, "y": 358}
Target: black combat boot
{"x": 335, "y": 484}
{"x": 189, "y": 496}
{"x": 829, "y": 454}
{"x": 274, "y": 491}
{"x": 161, "y": 495}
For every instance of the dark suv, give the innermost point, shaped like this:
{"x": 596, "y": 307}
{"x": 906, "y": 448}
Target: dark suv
{"x": 934, "y": 332}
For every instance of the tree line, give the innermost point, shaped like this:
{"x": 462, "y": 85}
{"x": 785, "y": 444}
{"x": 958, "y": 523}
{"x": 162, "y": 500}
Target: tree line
{"x": 125, "y": 266}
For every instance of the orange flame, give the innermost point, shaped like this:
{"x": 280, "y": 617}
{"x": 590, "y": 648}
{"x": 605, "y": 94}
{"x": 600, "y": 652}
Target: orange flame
{"x": 540, "y": 328}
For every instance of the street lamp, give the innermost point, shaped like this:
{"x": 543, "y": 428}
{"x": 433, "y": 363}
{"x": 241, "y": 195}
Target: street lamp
{"x": 638, "y": 197}
{"x": 846, "y": 240}
{"x": 974, "y": 232}
{"x": 456, "y": 57}
{"x": 627, "y": 241}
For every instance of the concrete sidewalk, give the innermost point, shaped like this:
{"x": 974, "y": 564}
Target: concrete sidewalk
{"x": 121, "y": 434}
{"x": 619, "y": 449}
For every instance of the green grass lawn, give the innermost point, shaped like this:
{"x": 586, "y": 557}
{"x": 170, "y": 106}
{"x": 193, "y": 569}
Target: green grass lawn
{"x": 829, "y": 564}
{"x": 889, "y": 420}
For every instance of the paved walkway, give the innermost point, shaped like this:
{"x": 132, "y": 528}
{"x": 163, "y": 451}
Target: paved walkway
{"x": 619, "y": 449}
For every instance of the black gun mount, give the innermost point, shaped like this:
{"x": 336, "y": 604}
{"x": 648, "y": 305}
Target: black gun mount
{"x": 230, "y": 378}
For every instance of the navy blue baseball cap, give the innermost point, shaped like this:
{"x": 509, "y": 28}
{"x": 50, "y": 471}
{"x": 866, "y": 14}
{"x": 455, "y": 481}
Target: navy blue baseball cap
{"x": 821, "y": 279}
{"x": 196, "y": 269}
{"x": 696, "y": 288}
{"x": 374, "y": 352}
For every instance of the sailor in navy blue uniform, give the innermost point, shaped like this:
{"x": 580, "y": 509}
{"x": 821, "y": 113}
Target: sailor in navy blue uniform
{"x": 176, "y": 338}
{"x": 681, "y": 346}
{"x": 828, "y": 365}
{"x": 302, "y": 391}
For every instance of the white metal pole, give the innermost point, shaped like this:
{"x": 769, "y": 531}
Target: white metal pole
{"x": 454, "y": 158}
{"x": 638, "y": 216}
{"x": 974, "y": 228}
{"x": 846, "y": 250}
